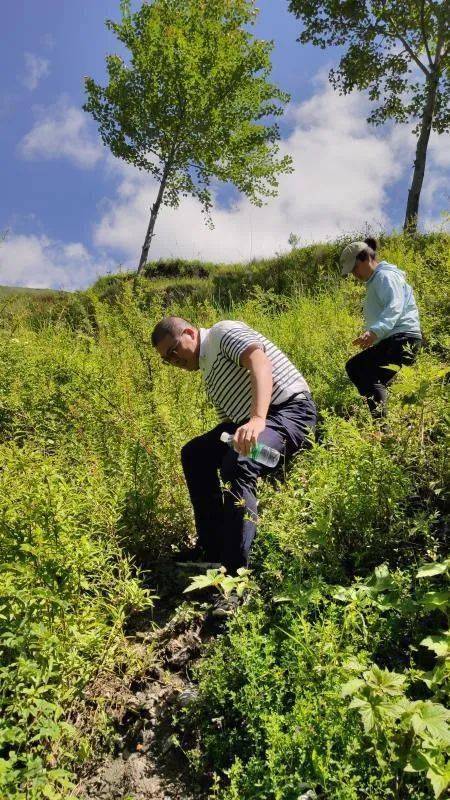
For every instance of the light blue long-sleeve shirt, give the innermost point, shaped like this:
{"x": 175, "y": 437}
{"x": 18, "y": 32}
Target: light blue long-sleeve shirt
{"x": 389, "y": 306}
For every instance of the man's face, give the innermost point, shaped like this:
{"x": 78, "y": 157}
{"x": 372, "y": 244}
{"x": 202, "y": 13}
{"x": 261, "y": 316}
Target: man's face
{"x": 181, "y": 350}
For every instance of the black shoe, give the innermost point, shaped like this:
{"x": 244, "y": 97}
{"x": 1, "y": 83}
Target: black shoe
{"x": 196, "y": 559}
{"x": 188, "y": 696}
{"x": 203, "y": 566}
{"x": 190, "y": 554}
{"x": 225, "y": 606}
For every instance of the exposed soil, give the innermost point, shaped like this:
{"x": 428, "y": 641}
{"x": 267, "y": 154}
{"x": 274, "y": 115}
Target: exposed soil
{"x": 147, "y": 762}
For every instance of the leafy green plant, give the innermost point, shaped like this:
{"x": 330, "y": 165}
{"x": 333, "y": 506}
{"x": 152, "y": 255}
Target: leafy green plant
{"x": 225, "y": 584}
{"x": 413, "y": 735}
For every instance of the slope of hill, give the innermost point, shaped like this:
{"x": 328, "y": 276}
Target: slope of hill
{"x": 331, "y": 681}
{"x": 22, "y": 290}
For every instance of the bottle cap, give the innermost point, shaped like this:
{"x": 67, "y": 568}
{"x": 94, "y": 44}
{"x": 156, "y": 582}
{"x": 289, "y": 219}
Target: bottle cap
{"x": 226, "y": 437}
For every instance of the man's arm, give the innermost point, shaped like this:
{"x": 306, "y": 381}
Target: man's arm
{"x": 255, "y": 360}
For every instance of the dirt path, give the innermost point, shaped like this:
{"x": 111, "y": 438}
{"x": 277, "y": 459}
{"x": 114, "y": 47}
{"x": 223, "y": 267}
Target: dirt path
{"x": 147, "y": 763}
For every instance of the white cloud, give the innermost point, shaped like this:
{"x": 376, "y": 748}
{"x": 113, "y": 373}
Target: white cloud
{"x": 39, "y": 262}
{"x": 62, "y": 131}
{"x": 342, "y": 172}
{"x": 436, "y": 191}
{"x": 440, "y": 150}
{"x": 35, "y": 69}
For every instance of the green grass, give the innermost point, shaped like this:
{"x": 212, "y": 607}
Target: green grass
{"x": 91, "y": 425}
{"x": 22, "y": 290}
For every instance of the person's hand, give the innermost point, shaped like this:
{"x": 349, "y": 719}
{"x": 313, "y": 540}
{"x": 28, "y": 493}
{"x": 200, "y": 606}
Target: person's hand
{"x": 247, "y": 435}
{"x": 366, "y": 340}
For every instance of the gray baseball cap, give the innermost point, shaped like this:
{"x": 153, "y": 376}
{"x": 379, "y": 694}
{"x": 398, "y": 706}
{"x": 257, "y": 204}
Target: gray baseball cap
{"x": 348, "y": 256}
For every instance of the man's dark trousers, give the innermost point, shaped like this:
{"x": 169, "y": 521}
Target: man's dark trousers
{"x": 226, "y": 517}
{"x": 368, "y": 370}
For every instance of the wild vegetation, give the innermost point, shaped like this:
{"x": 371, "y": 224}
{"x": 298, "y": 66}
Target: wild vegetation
{"x": 333, "y": 676}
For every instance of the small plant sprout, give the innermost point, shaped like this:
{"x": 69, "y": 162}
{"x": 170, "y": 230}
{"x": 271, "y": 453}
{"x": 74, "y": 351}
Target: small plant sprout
{"x": 225, "y": 584}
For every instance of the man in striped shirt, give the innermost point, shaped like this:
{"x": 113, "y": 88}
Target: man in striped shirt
{"x": 260, "y": 396}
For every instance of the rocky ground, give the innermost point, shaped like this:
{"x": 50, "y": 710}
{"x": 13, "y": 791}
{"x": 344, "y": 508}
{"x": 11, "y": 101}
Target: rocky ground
{"x": 147, "y": 762}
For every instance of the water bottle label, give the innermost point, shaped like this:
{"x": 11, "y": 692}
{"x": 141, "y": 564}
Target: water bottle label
{"x": 255, "y": 451}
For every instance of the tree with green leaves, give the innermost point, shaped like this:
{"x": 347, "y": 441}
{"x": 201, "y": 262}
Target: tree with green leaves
{"x": 398, "y": 50}
{"x": 191, "y": 104}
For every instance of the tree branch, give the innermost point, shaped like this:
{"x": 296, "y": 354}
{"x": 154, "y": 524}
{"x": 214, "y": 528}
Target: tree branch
{"x": 424, "y": 33}
{"x": 396, "y": 34}
{"x": 408, "y": 48}
{"x": 440, "y": 42}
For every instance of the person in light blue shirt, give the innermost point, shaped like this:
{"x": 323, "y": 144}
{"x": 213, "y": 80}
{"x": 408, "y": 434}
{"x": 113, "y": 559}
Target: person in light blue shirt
{"x": 392, "y": 329}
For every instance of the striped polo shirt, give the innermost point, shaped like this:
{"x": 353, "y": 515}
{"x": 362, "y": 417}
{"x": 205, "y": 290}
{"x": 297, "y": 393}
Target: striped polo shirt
{"x": 227, "y": 383}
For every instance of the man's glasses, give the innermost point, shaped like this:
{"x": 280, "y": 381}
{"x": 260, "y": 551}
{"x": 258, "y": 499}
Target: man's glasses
{"x": 171, "y": 357}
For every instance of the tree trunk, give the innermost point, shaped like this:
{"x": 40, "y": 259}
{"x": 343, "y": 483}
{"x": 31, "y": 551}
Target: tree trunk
{"x": 412, "y": 208}
{"x": 154, "y": 213}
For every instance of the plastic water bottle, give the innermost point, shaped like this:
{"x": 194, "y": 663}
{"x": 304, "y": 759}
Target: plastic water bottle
{"x": 260, "y": 452}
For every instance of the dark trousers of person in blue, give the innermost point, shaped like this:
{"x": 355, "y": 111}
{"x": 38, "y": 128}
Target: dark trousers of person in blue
{"x": 369, "y": 369}
{"x": 226, "y": 513}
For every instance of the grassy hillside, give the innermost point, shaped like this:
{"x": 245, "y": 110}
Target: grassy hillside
{"x": 333, "y": 676}
{"x": 24, "y": 290}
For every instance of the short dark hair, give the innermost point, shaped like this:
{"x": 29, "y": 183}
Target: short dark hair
{"x": 169, "y": 326}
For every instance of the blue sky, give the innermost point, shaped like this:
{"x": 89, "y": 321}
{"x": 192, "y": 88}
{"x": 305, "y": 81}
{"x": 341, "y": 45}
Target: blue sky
{"x": 72, "y": 212}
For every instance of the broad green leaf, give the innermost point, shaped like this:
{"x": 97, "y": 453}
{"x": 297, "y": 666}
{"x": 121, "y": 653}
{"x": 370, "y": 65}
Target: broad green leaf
{"x": 386, "y": 682}
{"x": 435, "y": 568}
{"x": 50, "y": 793}
{"x": 351, "y": 687}
{"x": 439, "y": 644}
{"x": 436, "y": 599}
{"x": 391, "y": 710}
{"x": 366, "y": 711}
{"x": 341, "y": 593}
{"x": 387, "y": 601}
{"x": 440, "y": 781}
{"x": 437, "y": 676}
{"x": 227, "y": 584}
{"x": 210, "y": 578}
{"x": 433, "y": 718}
{"x": 241, "y": 588}
{"x": 418, "y": 762}
{"x": 436, "y": 717}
